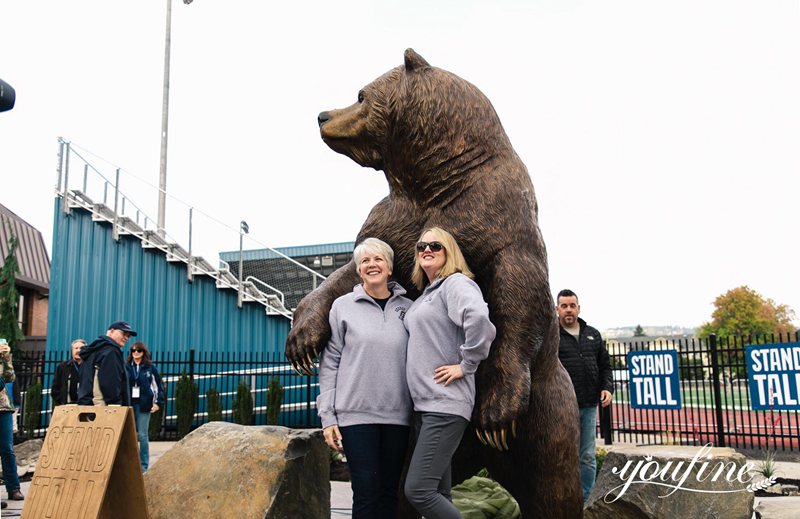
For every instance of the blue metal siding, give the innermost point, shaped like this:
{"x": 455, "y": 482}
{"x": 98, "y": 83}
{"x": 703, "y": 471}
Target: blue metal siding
{"x": 96, "y": 280}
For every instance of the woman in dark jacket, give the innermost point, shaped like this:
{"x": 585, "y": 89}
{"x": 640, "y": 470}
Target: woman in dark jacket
{"x": 147, "y": 395}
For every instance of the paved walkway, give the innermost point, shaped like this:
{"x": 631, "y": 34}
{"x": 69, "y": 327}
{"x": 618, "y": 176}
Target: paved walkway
{"x": 341, "y": 495}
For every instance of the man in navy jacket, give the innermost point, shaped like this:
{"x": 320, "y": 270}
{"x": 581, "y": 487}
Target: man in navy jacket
{"x": 103, "y": 377}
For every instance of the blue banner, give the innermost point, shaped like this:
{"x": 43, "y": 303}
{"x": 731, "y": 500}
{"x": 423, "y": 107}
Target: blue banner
{"x": 773, "y": 372}
{"x": 653, "y": 379}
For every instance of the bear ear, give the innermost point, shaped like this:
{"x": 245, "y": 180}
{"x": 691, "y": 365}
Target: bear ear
{"x": 414, "y": 61}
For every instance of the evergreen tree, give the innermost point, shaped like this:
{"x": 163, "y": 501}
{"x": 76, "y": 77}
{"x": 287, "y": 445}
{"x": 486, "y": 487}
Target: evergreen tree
{"x": 243, "y": 404}
{"x": 9, "y": 297}
{"x": 639, "y": 331}
{"x": 274, "y": 401}
{"x": 213, "y": 405}
{"x": 186, "y": 393}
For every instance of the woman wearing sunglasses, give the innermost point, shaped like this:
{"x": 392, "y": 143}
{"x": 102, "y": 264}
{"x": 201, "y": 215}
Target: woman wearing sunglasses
{"x": 147, "y": 395}
{"x": 449, "y": 334}
{"x": 363, "y": 402}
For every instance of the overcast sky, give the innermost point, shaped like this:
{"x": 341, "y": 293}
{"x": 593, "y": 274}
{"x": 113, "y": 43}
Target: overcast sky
{"x": 663, "y": 138}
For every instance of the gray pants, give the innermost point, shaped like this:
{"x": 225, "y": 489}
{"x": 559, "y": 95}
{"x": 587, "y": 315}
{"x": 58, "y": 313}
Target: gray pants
{"x": 428, "y": 480}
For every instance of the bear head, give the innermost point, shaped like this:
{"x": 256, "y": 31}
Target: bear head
{"x": 419, "y": 124}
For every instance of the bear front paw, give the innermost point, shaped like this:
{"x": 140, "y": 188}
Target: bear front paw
{"x": 498, "y": 414}
{"x": 309, "y": 334}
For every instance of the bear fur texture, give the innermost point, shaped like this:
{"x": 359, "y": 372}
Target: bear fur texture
{"x": 449, "y": 163}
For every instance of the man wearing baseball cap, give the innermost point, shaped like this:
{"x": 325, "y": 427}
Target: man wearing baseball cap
{"x": 103, "y": 378}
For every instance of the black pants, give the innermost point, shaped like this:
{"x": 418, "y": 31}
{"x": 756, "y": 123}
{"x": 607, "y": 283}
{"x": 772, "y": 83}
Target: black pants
{"x": 375, "y": 455}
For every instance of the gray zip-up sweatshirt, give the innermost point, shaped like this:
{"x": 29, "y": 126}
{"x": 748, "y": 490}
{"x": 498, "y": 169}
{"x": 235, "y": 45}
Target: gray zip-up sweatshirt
{"x": 447, "y": 324}
{"x": 362, "y": 369}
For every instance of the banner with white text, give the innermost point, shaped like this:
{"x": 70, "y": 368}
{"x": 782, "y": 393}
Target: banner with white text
{"x": 653, "y": 379}
{"x": 773, "y": 372}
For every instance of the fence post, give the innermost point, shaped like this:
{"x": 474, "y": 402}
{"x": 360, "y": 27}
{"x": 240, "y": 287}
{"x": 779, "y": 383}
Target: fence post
{"x": 712, "y": 343}
{"x": 605, "y": 424}
{"x": 191, "y": 363}
{"x": 65, "y": 198}
{"x": 308, "y": 401}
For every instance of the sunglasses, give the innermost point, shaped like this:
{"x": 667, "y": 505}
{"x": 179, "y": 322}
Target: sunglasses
{"x": 435, "y": 246}
{"x": 136, "y": 350}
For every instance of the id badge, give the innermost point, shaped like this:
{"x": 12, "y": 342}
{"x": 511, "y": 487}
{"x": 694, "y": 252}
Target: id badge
{"x": 135, "y": 392}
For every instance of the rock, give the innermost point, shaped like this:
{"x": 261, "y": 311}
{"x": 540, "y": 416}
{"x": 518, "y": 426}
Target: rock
{"x": 226, "y": 471}
{"x": 655, "y": 467}
{"x": 789, "y": 490}
{"x": 778, "y": 508}
{"x": 777, "y": 489}
{"x": 27, "y": 454}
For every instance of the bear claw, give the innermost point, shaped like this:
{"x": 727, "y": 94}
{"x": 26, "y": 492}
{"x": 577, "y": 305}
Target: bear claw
{"x": 495, "y": 439}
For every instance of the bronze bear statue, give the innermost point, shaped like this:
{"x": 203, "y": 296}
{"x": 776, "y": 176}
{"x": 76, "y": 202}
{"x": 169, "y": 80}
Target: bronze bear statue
{"x": 449, "y": 163}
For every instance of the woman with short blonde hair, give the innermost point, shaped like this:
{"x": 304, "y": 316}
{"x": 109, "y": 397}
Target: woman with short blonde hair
{"x": 363, "y": 401}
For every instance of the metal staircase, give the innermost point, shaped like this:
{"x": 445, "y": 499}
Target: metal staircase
{"x": 128, "y": 219}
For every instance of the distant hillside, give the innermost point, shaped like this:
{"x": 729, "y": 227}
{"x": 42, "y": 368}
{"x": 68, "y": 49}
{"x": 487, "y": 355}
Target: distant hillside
{"x": 649, "y": 331}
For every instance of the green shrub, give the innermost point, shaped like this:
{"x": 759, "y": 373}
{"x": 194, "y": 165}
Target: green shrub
{"x": 213, "y": 405}
{"x": 600, "y": 458}
{"x": 185, "y": 403}
{"x": 243, "y": 404}
{"x": 156, "y": 419}
{"x": 33, "y": 408}
{"x": 767, "y": 465}
{"x": 274, "y": 400}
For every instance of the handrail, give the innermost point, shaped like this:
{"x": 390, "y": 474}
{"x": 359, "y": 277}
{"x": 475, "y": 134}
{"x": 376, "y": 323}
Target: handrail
{"x": 253, "y": 278}
{"x": 125, "y": 217}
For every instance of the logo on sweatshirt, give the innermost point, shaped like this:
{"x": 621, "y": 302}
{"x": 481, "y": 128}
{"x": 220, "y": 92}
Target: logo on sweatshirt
{"x": 401, "y": 312}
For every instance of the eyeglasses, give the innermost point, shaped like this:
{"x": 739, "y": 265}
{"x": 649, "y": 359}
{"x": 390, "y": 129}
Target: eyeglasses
{"x": 435, "y": 246}
{"x": 136, "y": 350}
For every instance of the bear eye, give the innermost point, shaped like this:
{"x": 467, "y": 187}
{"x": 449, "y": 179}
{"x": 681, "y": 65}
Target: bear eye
{"x": 361, "y": 96}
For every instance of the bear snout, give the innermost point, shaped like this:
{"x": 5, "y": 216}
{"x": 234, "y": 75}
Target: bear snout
{"x": 323, "y": 117}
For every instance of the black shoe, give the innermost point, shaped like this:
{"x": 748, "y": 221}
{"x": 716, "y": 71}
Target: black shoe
{"x": 3, "y": 504}
{"x": 15, "y": 495}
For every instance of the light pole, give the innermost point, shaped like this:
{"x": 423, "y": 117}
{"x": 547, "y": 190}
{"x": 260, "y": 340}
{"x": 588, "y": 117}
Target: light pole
{"x": 243, "y": 229}
{"x": 162, "y": 174}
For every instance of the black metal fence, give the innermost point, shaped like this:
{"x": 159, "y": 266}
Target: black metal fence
{"x": 220, "y": 370}
{"x": 715, "y": 395}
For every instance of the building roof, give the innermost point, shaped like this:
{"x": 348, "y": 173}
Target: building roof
{"x": 34, "y": 263}
{"x": 292, "y": 252}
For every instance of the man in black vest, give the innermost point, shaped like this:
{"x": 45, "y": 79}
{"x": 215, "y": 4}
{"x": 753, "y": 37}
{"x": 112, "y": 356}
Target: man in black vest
{"x": 585, "y": 357}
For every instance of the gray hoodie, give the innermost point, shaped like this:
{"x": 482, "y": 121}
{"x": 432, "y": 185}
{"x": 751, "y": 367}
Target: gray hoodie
{"x": 447, "y": 324}
{"x": 362, "y": 369}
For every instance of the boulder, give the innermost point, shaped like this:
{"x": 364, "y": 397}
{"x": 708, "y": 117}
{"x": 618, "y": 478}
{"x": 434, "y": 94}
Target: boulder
{"x": 27, "y": 454}
{"x": 226, "y": 471}
{"x": 704, "y": 490}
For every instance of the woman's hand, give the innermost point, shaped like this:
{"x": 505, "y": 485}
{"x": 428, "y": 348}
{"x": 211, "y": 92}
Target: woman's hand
{"x": 333, "y": 437}
{"x": 448, "y": 374}
{"x": 154, "y": 409}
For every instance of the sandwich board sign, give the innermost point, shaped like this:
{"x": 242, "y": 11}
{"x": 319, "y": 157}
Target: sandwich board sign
{"x": 88, "y": 467}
